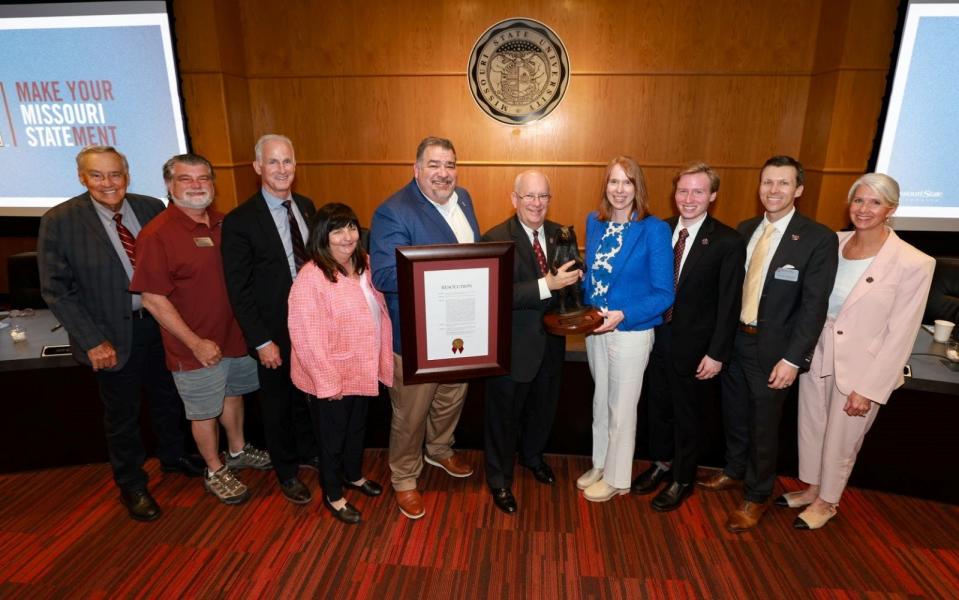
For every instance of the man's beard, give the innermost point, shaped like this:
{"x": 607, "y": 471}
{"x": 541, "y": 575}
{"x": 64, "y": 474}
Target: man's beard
{"x": 206, "y": 200}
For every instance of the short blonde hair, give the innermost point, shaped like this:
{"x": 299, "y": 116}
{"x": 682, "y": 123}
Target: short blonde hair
{"x": 882, "y": 184}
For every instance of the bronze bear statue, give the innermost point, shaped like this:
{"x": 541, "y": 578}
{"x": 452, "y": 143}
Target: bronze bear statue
{"x": 570, "y": 298}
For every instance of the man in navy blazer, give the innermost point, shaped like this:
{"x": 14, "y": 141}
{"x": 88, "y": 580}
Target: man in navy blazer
{"x": 696, "y": 337}
{"x": 790, "y": 268}
{"x": 428, "y": 210}
{"x": 260, "y": 262}
{"x": 85, "y": 271}
{"x": 520, "y": 407}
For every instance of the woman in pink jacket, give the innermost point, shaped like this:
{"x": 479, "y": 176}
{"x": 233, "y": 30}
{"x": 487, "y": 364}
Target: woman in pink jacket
{"x": 874, "y": 313}
{"x": 342, "y": 346}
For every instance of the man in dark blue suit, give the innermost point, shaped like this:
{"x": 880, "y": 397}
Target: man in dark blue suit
{"x": 85, "y": 252}
{"x": 696, "y": 337}
{"x": 790, "y": 268}
{"x": 519, "y": 407}
{"x": 428, "y": 210}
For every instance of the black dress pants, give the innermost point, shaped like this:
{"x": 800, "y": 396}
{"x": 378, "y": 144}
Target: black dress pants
{"x": 341, "y": 427}
{"x": 120, "y": 392}
{"x": 518, "y": 418}
{"x": 287, "y": 424}
{"x": 675, "y": 410}
{"x": 751, "y": 415}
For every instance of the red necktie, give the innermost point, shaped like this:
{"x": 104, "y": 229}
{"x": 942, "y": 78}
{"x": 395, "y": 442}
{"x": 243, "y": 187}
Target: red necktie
{"x": 677, "y": 260}
{"x": 538, "y": 251}
{"x": 299, "y": 250}
{"x": 126, "y": 239}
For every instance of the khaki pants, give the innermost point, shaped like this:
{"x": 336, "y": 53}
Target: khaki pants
{"x": 426, "y": 411}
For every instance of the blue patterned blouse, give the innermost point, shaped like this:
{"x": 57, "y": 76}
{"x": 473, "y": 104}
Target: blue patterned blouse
{"x": 602, "y": 268}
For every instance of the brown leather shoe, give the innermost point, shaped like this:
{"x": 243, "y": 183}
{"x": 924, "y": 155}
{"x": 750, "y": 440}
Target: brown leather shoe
{"x": 746, "y": 516}
{"x": 411, "y": 504}
{"x": 453, "y": 466}
{"x": 719, "y": 481}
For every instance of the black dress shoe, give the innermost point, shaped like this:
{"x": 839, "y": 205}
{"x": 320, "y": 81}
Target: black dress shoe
{"x": 368, "y": 488}
{"x": 543, "y": 474}
{"x": 312, "y": 464}
{"x": 140, "y": 504}
{"x": 190, "y": 465}
{"x": 348, "y": 514}
{"x": 672, "y": 496}
{"x": 504, "y": 500}
{"x": 296, "y": 491}
{"x": 648, "y": 480}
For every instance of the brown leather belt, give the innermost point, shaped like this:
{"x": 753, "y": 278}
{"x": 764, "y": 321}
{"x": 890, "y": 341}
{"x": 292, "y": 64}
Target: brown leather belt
{"x": 750, "y": 329}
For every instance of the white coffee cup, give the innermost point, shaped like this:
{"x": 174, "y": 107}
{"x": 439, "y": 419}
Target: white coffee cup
{"x": 943, "y": 331}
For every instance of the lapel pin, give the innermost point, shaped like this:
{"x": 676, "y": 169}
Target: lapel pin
{"x": 795, "y": 237}
{"x": 705, "y": 242}
{"x": 869, "y": 280}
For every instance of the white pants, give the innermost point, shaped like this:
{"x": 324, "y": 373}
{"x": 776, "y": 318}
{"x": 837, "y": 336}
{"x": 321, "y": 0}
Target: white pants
{"x": 617, "y": 361}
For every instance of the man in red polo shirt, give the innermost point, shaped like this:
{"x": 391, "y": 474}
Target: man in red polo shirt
{"x": 180, "y": 274}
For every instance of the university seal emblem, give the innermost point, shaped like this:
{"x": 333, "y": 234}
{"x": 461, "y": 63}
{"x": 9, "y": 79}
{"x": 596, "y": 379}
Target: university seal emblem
{"x": 518, "y": 71}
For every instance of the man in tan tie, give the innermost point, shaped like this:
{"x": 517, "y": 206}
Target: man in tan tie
{"x": 790, "y": 267}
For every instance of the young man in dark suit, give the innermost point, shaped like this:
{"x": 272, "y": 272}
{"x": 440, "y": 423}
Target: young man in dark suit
{"x": 263, "y": 249}
{"x": 520, "y": 407}
{"x": 85, "y": 252}
{"x": 696, "y": 337}
{"x": 790, "y": 267}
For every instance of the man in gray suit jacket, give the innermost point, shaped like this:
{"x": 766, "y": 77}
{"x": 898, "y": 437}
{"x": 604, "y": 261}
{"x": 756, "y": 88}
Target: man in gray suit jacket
{"x": 85, "y": 251}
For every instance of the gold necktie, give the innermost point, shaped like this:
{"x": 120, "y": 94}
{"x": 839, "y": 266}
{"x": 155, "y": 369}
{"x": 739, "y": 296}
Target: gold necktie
{"x": 754, "y": 277}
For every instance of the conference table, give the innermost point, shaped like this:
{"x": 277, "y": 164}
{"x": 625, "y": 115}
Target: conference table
{"x": 52, "y": 416}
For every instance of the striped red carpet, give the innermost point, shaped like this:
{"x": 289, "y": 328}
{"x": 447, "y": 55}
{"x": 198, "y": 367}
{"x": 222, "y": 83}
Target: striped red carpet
{"x": 64, "y": 535}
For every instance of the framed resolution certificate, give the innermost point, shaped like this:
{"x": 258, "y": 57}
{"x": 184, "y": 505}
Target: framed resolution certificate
{"x": 456, "y": 310}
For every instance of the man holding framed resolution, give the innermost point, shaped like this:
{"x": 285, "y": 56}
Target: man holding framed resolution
{"x": 429, "y": 210}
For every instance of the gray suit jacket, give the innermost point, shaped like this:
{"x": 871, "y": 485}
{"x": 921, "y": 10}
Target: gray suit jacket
{"x": 82, "y": 279}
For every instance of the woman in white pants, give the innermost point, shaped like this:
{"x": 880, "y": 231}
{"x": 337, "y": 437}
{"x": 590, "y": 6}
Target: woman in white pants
{"x": 629, "y": 277}
{"x": 874, "y": 312}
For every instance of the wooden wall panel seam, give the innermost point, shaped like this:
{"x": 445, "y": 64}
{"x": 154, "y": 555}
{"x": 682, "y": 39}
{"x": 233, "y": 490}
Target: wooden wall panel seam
{"x": 574, "y": 73}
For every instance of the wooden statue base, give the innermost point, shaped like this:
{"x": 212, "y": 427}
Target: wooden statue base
{"x": 573, "y": 323}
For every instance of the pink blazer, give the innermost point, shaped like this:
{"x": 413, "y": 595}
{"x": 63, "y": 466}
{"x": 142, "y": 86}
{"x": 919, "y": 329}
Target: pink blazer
{"x": 875, "y": 330}
{"x": 332, "y": 333}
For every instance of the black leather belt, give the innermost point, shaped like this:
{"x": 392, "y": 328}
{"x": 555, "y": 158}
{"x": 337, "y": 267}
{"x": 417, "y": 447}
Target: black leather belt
{"x": 750, "y": 329}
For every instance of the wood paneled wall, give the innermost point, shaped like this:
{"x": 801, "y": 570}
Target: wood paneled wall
{"x": 357, "y": 85}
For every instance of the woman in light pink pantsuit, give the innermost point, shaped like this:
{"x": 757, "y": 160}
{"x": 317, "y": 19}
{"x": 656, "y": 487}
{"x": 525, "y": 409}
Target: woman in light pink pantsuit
{"x": 874, "y": 312}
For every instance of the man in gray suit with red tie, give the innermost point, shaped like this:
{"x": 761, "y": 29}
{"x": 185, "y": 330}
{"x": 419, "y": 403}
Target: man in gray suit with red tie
{"x": 86, "y": 260}
{"x": 520, "y": 406}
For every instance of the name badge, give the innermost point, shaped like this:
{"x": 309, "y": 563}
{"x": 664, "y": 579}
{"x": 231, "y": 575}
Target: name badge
{"x": 787, "y": 273}
{"x": 203, "y": 242}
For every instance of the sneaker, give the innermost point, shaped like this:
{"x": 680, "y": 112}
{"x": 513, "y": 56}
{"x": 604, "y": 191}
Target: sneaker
{"x": 589, "y": 478}
{"x": 225, "y": 486}
{"x": 249, "y": 458}
{"x": 602, "y": 491}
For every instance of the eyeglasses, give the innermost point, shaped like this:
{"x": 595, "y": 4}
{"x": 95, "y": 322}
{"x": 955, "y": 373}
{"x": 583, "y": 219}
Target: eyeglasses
{"x": 540, "y": 197}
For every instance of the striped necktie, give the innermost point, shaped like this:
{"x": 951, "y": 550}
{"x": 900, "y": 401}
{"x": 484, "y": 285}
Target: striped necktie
{"x": 126, "y": 239}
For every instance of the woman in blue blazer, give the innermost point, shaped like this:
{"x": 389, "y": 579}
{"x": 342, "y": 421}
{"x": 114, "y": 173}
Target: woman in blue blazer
{"x": 629, "y": 278}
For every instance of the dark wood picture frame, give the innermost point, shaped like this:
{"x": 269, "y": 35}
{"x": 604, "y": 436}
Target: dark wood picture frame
{"x": 412, "y": 262}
